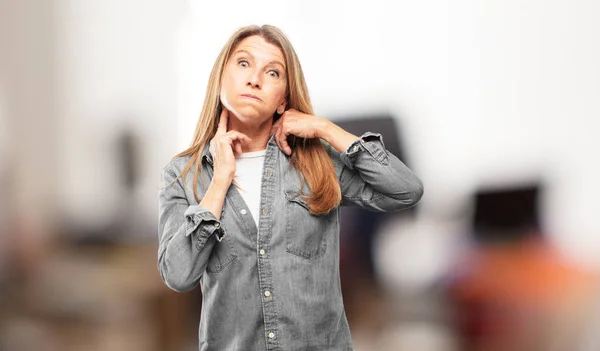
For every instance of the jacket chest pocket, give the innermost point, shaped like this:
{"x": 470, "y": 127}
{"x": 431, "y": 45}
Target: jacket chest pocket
{"x": 306, "y": 234}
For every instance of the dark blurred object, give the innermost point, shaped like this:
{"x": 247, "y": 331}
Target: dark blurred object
{"x": 129, "y": 155}
{"x": 383, "y": 124}
{"x": 128, "y": 224}
{"x": 509, "y": 214}
{"x": 512, "y": 290}
{"x": 358, "y": 227}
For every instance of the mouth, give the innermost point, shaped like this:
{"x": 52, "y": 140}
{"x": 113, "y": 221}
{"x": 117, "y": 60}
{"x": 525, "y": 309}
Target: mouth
{"x": 252, "y": 97}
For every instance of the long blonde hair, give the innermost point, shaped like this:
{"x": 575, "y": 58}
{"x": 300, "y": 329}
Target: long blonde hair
{"x": 308, "y": 157}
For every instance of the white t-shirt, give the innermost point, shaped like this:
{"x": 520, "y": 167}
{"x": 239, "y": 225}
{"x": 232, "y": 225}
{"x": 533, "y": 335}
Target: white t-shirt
{"x": 248, "y": 175}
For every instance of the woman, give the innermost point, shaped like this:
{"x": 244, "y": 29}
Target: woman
{"x": 250, "y": 210}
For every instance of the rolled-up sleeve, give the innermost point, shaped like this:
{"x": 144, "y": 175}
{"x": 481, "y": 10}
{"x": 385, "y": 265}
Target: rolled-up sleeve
{"x": 201, "y": 220}
{"x": 186, "y": 234}
{"x": 373, "y": 178}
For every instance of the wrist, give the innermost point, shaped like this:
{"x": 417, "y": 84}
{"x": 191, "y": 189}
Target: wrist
{"x": 221, "y": 183}
{"x": 336, "y": 136}
{"x": 325, "y": 129}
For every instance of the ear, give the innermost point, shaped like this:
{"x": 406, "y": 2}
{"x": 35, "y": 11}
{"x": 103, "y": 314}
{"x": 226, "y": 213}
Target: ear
{"x": 281, "y": 107}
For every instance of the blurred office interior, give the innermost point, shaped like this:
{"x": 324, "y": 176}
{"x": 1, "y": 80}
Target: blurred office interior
{"x": 492, "y": 104}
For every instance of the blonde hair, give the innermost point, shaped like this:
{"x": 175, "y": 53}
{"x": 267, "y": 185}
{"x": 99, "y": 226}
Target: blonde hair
{"x": 308, "y": 157}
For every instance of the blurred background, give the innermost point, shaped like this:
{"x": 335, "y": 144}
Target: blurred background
{"x": 493, "y": 104}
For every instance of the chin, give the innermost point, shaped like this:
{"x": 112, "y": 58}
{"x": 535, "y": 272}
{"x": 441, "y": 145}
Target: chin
{"x": 248, "y": 114}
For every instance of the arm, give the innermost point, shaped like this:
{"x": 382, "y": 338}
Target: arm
{"x": 335, "y": 135}
{"x": 370, "y": 176}
{"x": 186, "y": 233}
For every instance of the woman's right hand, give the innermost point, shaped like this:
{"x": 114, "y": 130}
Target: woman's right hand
{"x": 223, "y": 148}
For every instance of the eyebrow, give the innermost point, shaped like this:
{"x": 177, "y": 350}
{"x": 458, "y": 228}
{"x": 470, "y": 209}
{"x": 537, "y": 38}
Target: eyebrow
{"x": 274, "y": 62}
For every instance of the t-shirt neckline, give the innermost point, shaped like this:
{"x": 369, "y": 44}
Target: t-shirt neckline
{"x": 252, "y": 154}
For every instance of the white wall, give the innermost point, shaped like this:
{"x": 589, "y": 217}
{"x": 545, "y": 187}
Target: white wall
{"x": 118, "y": 69}
{"x": 488, "y": 92}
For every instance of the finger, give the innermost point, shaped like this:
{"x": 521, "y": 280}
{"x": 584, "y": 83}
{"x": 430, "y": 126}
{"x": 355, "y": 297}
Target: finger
{"x": 223, "y": 119}
{"x": 235, "y": 135}
{"x": 284, "y": 143}
{"x": 281, "y": 139}
{"x": 278, "y": 138}
{"x": 225, "y": 142}
{"x": 238, "y": 147}
{"x": 276, "y": 124}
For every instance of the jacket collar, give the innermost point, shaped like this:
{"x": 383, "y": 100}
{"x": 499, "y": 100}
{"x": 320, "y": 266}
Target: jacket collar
{"x": 207, "y": 156}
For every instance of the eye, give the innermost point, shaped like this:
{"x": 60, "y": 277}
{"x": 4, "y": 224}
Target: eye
{"x": 243, "y": 63}
{"x": 274, "y": 73}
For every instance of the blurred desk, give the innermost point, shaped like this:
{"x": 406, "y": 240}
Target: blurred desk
{"x": 98, "y": 298}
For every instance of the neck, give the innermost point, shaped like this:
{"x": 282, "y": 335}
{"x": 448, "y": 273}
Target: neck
{"x": 259, "y": 133}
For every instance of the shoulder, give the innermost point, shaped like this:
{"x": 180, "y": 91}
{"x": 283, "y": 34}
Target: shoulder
{"x": 175, "y": 166}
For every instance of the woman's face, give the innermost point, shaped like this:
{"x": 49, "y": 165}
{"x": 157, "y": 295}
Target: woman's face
{"x": 254, "y": 84}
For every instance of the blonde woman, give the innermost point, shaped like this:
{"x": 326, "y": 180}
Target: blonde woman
{"x": 250, "y": 210}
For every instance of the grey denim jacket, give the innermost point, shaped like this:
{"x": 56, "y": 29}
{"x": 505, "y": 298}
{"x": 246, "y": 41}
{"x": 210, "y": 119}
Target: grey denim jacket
{"x": 275, "y": 285}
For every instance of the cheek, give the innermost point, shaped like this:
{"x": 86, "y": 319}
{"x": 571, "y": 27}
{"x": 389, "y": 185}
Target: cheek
{"x": 229, "y": 79}
{"x": 226, "y": 90}
{"x": 277, "y": 94}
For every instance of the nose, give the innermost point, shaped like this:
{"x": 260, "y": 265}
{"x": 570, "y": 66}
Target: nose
{"x": 254, "y": 79}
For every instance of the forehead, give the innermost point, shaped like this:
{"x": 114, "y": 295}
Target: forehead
{"x": 260, "y": 49}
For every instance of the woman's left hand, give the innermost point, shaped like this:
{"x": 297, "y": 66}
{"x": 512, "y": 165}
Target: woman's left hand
{"x": 293, "y": 122}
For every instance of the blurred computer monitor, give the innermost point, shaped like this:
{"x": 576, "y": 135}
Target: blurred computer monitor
{"x": 506, "y": 214}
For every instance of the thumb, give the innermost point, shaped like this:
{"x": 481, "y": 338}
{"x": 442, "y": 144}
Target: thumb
{"x": 276, "y": 124}
{"x": 223, "y": 119}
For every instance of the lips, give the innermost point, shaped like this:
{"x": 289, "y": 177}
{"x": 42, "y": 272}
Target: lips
{"x": 250, "y": 96}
